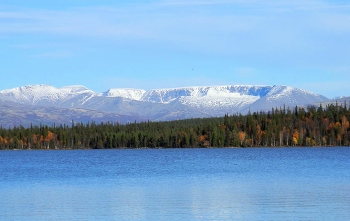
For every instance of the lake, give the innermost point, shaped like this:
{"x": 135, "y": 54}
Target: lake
{"x": 176, "y": 184}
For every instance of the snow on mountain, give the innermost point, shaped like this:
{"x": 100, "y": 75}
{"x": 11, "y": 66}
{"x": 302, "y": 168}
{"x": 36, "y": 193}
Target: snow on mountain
{"x": 280, "y": 96}
{"x": 212, "y": 100}
{"x": 133, "y": 94}
{"x": 44, "y": 94}
{"x": 341, "y": 99}
{"x": 30, "y": 93}
{"x": 162, "y": 104}
{"x": 292, "y": 96}
{"x": 213, "y": 92}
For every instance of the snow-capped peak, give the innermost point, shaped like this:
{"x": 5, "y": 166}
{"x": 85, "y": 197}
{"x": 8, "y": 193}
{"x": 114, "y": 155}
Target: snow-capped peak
{"x": 74, "y": 89}
{"x": 278, "y": 91}
{"x": 129, "y": 93}
{"x": 34, "y": 94}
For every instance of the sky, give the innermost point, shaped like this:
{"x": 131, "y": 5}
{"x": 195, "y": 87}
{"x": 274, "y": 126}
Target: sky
{"x": 167, "y": 44}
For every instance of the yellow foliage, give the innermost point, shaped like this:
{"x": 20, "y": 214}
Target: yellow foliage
{"x": 295, "y": 137}
{"x": 337, "y": 125}
{"x": 295, "y": 141}
{"x": 345, "y": 123}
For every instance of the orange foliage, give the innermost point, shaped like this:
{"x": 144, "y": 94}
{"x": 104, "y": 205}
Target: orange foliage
{"x": 241, "y": 136}
{"x": 295, "y": 137}
{"x": 296, "y": 134}
{"x": 49, "y": 137}
{"x": 201, "y": 138}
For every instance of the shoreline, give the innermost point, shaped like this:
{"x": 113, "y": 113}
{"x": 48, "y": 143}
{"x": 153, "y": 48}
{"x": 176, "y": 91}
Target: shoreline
{"x": 157, "y": 148}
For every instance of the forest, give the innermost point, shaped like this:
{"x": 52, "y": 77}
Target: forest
{"x": 309, "y": 126}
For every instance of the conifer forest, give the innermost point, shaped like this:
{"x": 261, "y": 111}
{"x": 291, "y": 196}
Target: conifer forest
{"x": 279, "y": 127}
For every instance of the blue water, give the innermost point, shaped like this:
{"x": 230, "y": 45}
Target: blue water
{"x": 176, "y": 184}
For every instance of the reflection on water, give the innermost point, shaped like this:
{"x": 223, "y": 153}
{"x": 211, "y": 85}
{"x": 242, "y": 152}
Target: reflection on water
{"x": 178, "y": 184}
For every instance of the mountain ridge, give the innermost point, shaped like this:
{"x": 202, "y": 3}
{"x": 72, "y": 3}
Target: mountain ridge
{"x": 159, "y": 104}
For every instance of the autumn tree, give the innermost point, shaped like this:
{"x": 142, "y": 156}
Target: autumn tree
{"x": 242, "y": 137}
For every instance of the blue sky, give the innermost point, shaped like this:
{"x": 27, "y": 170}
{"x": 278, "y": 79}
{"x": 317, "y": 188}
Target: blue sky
{"x": 160, "y": 44}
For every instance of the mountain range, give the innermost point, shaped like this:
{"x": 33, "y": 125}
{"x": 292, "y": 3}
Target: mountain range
{"x": 47, "y": 105}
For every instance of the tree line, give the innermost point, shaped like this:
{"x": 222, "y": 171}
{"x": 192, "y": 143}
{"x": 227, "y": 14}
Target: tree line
{"x": 310, "y": 126}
